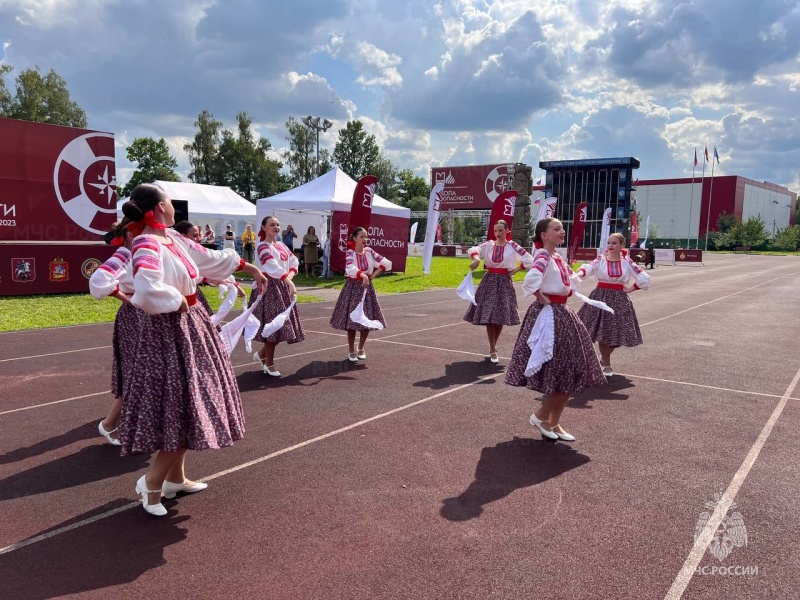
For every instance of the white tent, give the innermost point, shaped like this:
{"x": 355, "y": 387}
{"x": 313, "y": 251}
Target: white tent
{"x": 311, "y": 204}
{"x": 213, "y": 205}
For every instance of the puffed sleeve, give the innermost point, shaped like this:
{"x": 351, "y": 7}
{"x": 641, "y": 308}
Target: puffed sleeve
{"x": 589, "y": 269}
{"x": 293, "y": 261}
{"x": 269, "y": 264}
{"x": 535, "y": 276}
{"x": 523, "y": 256}
{"x": 351, "y": 265}
{"x": 105, "y": 279}
{"x": 215, "y": 265}
{"x": 151, "y": 294}
{"x": 384, "y": 264}
{"x": 642, "y": 278}
{"x": 475, "y": 252}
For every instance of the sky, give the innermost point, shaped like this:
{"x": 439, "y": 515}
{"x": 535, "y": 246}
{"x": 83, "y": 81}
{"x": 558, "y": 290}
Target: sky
{"x": 454, "y": 83}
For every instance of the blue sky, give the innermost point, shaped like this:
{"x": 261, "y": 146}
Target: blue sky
{"x": 451, "y": 83}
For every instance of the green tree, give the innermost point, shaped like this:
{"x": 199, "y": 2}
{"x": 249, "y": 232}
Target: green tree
{"x": 204, "y": 149}
{"x": 411, "y": 187}
{"x": 325, "y": 161}
{"x": 153, "y": 162}
{"x": 243, "y": 163}
{"x": 385, "y": 171}
{"x": 787, "y": 238}
{"x": 43, "y": 99}
{"x": 300, "y": 157}
{"x": 356, "y": 152}
{"x": 750, "y": 233}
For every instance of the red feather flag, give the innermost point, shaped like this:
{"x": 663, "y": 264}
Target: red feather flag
{"x": 578, "y": 227}
{"x": 503, "y": 208}
{"x": 634, "y": 229}
{"x": 361, "y": 209}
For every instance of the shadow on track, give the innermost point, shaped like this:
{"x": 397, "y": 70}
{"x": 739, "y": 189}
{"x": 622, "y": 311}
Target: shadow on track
{"x": 78, "y": 434}
{"x": 110, "y": 552}
{"x": 460, "y": 373}
{"x": 610, "y": 391}
{"x": 509, "y": 466}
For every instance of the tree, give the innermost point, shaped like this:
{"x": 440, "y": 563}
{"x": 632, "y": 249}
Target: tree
{"x": 411, "y": 187}
{"x": 385, "y": 171}
{"x": 750, "y": 233}
{"x": 300, "y": 157}
{"x": 153, "y": 162}
{"x": 243, "y": 164}
{"x": 356, "y": 152}
{"x": 40, "y": 99}
{"x": 203, "y": 151}
{"x": 787, "y": 238}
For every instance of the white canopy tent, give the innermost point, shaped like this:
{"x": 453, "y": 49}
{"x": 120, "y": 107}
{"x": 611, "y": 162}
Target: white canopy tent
{"x": 311, "y": 204}
{"x": 213, "y": 205}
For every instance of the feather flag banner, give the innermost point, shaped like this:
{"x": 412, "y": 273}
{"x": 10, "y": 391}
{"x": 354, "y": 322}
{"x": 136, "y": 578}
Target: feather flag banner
{"x": 605, "y": 231}
{"x": 361, "y": 208}
{"x": 634, "y": 229}
{"x": 413, "y": 233}
{"x": 547, "y": 209}
{"x": 430, "y": 229}
{"x": 503, "y": 208}
{"x": 578, "y": 227}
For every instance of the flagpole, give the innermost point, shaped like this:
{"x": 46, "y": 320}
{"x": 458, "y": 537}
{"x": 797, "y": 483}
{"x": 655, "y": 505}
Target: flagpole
{"x": 710, "y": 196}
{"x": 691, "y": 203}
{"x": 702, "y": 185}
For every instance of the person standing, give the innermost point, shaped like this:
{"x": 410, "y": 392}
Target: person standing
{"x": 617, "y": 276}
{"x": 279, "y": 264}
{"x": 114, "y": 278}
{"x": 288, "y": 237}
{"x": 564, "y": 361}
{"x": 326, "y": 257}
{"x": 310, "y": 251}
{"x": 181, "y": 393}
{"x": 229, "y": 238}
{"x": 652, "y": 247}
{"x": 496, "y": 300}
{"x": 249, "y": 244}
{"x": 363, "y": 265}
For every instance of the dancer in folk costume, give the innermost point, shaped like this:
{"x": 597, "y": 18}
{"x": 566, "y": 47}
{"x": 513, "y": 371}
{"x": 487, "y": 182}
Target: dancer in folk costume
{"x": 279, "y": 264}
{"x": 180, "y": 391}
{"x": 563, "y": 361}
{"x": 617, "y": 276}
{"x": 362, "y": 265}
{"x": 496, "y": 300}
{"x": 114, "y": 278}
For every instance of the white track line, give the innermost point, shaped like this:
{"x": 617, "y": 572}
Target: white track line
{"x": 54, "y": 353}
{"x": 8, "y": 412}
{"x": 704, "y": 539}
{"x": 319, "y": 438}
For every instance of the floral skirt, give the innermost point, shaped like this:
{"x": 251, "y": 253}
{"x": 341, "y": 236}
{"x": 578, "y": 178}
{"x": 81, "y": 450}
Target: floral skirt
{"x": 276, "y": 300}
{"x": 496, "y": 302}
{"x": 350, "y": 296}
{"x": 126, "y": 336}
{"x": 619, "y": 329}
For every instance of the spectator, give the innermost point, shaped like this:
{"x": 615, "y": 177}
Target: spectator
{"x": 288, "y": 237}
{"x": 311, "y": 251}
{"x": 249, "y": 244}
{"x": 208, "y": 236}
{"x": 229, "y": 238}
{"x": 326, "y": 257}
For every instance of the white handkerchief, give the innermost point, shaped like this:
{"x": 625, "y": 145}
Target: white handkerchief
{"x": 595, "y": 303}
{"x": 541, "y": 341}
{"x": 358, "y": 316}
{"x": 226, "y": 305}
{"x": 466, "y": 289}
{"x": 278, "y": 321}
{"x": 232, "y": 331}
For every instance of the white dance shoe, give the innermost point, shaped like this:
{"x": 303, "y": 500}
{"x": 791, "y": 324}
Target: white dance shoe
{"x": 550, "y": 435}
{"x": 362, "y": 355}
{"x": 271, "y": 370}
{"x": 107, "y": 435}
{"x": 494, "y": 358}
{"x": 563, "y": 435}
{"x": 169, "y": 489}
{"x": 157, "y": 510}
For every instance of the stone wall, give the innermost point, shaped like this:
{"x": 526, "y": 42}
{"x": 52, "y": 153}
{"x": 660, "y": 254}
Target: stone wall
{"x": 522, "y": 182}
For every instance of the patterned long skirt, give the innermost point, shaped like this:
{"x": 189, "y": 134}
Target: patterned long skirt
{"x": 276, "y": 300}
{"x": 350, "y": 296}
{"x": 496, "y": 302}
{"x": 203, "y": 301}
{"x": 619, "y": 329}
{"x": 126, "y": 336}
{"x": 574, "y": 365}
{"x": 180, "y": 391}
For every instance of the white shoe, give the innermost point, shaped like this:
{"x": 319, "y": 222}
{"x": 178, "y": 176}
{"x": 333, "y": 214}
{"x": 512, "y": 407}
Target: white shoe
{"x": 567, "y": 437}
{"x": 169, "y": 489}
{"x": 550, "y": 435}
{"x": 608, "y": 371}
{"x": 271, "y": 370}
{"x": 361, "y": 354}
{"x": 352, "y": 357}
{"x": 493, "y": 358}
{"x": 535, "y": 420}
{"x": 107, "y": 435}
{"x": 157, "y": 510}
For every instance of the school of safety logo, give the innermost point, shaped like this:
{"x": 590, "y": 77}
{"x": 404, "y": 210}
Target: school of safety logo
{"x": 85, "y": 180}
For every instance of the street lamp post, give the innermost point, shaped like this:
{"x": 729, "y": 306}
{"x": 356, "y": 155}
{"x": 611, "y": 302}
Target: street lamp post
{"x": 318, "y": 124}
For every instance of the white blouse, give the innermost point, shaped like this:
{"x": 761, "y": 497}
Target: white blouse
{"x": 164, "y": 274}
{"x": 502, "y": 257}
{"x": 368, "y": 262}
{"x": 276, "y": 260}
{"x": 616, "y": 271}
{"x": 114, "y": 274}
{"x": 550, "y": 274}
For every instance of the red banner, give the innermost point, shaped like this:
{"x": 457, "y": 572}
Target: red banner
{"x": 578, "y": 227}
{"x": 634, "y": 229}
{"x": 689, "y": 256}
{"x": 503, "y": 209}
{"x": 56, "y": 183}
{"x": 49, "y": 268}
{"x": 586, "y": 254}
{"x": 361, "y": 209}
{"x": 388, "y": 236}
{"x": 470, "y": 188}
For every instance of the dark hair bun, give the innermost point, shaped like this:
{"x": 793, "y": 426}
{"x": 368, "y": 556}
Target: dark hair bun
{"x": 132, "y": 211}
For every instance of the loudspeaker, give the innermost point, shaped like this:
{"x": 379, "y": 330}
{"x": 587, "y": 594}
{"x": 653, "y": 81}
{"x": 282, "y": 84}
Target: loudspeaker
{"x": 181, "y": 210}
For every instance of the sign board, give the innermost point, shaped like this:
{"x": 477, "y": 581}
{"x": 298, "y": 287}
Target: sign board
{"x": 470, "y": 188}
{"x": 388, "y": 236}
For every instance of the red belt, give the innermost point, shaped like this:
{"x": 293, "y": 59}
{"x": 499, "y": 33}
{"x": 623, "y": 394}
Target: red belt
{"x": 500, "y": 271}
{"x": 557, "y": 299}
{"x": 611, "y": 286}
{"x": 191, "y": 300}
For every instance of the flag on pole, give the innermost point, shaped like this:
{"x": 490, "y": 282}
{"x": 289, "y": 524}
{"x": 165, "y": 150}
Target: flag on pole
{"x": 634, "y": 229}
{"x": 503, "y": 208}
{"x": 430, "y": 230}
{"x": 539, "y": 181}
{"x": 413, "y": 232}
{"x": 578, "y": 228}
{"x": 646, "y": 230}
{"x": 695, "y": 157}
{"x": 605, "y": 231}
{"x": 716, "y": 155}
{"x": 706, "y": 153}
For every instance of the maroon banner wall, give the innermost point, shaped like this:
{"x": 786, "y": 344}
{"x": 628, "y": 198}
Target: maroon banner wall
{"x": 388, "y": 236}
{"x": 688, "y": 256}
{"x": 57, "y": 184}
{"x": 470, "y": 188}
{"x": 49, "y": 268}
